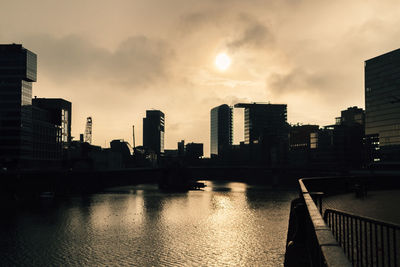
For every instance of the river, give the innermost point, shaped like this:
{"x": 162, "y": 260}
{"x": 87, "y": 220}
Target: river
{"x": 227, "y": 224}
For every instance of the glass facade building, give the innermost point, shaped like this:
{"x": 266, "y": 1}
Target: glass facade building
{"x": 153, "y": 131}
{"x": 263, "y": 120}
{"x": 221, "y": 129}
{"x": 382, "y": 104}
{"x": 18, "y": 68}
{"x": 60, "y": 111}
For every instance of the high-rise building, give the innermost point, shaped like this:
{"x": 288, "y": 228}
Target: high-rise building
{"x": 153, "y": 131}
{"x": 18, "y": 67}
{"x": 263, "y": 120}
{"x": 221, "y": 129}
{"x": 382, "y": 104}
{"x": 60, "y": 115}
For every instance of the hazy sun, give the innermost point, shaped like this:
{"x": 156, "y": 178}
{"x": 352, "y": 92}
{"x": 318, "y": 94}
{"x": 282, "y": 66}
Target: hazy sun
{"x": 222, "y": 61}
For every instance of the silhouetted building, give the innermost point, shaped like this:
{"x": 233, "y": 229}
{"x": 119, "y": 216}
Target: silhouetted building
{"x": 60, "y": 112}
{"x": 221, "y": 129}
{"x": 261, "y": 120}
{"x": 340, "y": 146}
{"x": 153, "y": 131}
{"x": 171, "y": 153}
{"x": 84, "y": 156}
{"x": 18, "y": 67}
{"x": 300, "y": 136}
{"x": 382, "y": 104}
{"x": 194, "y": 150}
{"x": 352, "y": 116}
{"x": 124, "y": 149}
{"x": 46, "y": 136}
{"x": 181, "y": 148}
{"x": 266, "y": 133}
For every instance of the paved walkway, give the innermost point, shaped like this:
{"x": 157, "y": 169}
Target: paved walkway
{"x": 379, "y": 205}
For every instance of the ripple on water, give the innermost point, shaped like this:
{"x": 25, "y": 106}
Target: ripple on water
{"x": 230, "y": 225}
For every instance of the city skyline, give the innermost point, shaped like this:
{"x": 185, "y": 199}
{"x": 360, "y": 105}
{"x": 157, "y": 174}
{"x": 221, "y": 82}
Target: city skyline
{"x": 114, "y": 66}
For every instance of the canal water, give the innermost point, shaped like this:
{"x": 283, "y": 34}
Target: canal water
{"x": 227, "y": 224}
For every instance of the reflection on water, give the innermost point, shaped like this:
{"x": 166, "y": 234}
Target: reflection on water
{"x": 227, "y": 224}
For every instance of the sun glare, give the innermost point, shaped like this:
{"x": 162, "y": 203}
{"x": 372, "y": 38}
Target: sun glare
{"x": 222, "y": 61}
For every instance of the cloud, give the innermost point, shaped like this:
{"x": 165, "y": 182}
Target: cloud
{"x": 253, "y": 34}
{"x": 297, "y": 80}
{"x": 138, "y": 61}
{"x": 242, "y": 30}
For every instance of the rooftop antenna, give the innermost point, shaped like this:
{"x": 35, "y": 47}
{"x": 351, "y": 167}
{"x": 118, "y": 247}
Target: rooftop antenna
{"x": 88, "y": 130}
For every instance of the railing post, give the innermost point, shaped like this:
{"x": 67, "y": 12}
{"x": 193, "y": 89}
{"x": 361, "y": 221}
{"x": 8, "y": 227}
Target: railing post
{"x": 318, "y": 198}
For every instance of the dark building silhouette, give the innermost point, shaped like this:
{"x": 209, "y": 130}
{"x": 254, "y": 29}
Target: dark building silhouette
{"x": 352, "y": 116}
{"x": 84, "y": 156}
{"x": 124, "y": 149}
{"x": 262, "y": 120}
{"x": 340, "y": 146}
{"x": 221, "y": 129}
{"x": 60, "y": 112}
{"x": 46, "y": 136}
{"x": 181, "y": 148}
{"x": 194, "y": 150}
{"x": 382, "y": 105}
{"x": 153, "y": 131}
{"x": 300, "y": 136}
{"x": 18, "y": 67}
{"x": 266, "y": 133}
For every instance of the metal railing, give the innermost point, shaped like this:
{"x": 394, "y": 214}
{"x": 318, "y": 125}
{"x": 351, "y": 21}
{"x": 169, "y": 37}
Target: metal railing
{"x": 366, "y": 242}
{"x": 310, "y": 241}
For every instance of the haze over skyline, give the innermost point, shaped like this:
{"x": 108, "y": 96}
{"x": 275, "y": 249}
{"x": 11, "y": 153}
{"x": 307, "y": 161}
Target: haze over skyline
{"x": 115, "y": 60}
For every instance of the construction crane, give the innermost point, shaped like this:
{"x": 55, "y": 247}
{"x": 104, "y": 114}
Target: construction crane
{"x": 88, "y": 130}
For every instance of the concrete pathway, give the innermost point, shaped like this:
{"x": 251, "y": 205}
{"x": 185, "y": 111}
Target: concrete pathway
{"x": 379, "y": 205}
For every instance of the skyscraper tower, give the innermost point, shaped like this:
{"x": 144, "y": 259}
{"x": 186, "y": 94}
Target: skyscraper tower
{"x": 18, "y": 67}
{"x": 221, "y": 129}
{"x": 382, "y": 104}
{"x": 263, "y": 120}
{"x": 153, "y": 131}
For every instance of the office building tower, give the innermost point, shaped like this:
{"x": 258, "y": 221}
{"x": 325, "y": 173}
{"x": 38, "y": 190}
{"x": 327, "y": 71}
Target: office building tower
{"x": 264, "y": 120}
{"x": 153, "y": 131}
{"x": 59, "y": 111}
{"x": 18, "y": 67}
{"x": 46, "y": 140}
{"x": 382, "y": 104}
{"x": 221, "y": 129}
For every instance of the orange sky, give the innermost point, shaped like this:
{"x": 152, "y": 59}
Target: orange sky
{"x": 115, "y": 59}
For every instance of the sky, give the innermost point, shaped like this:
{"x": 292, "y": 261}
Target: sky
{"x": 116, "y": 59}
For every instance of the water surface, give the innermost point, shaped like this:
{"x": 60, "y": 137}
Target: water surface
{"x": 227, "y": 224}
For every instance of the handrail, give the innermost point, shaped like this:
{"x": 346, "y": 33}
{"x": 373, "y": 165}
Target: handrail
{"x": 366, "y": 241}
{"x": 369, "y": 219}
{"x": 330, "y": 250}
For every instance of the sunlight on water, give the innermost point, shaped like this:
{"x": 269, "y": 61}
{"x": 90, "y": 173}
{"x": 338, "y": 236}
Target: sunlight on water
{"x": 227, "y": 224}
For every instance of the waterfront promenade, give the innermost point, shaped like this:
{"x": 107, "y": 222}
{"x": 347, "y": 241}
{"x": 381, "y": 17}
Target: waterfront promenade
{"x": 357, "y": 226}
{"x": 379, "y": 205}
